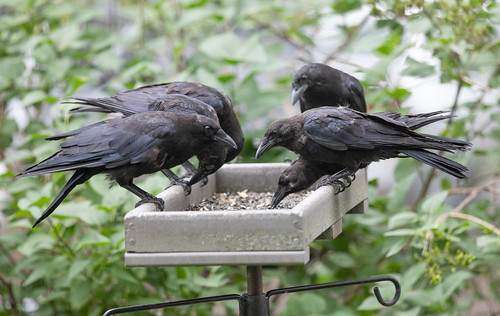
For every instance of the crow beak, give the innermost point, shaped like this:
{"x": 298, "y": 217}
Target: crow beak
{"x": 278, "y": 196}
{"x": 222, "y": 137}
{"x": 297, "y": 93}
{"x": 264, "y": 146}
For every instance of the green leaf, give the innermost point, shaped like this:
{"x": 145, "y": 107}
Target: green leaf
{"x": 392, "y": 42}
{"x": 412, "y": 275}
{"x": 397, "y": 196}
{"x": 213, "y": 280}
{"x": 67, "y": 37}
{"x": 344, "y": 260}
{"x": 230, "y": 48}
{"x": 419, "y": 297}
{"x": 35, "y": 242}
{"x": 76, "y": 267}
{"x": 84, "y": 211}
{"x": 34, "y": 97}
{"x": 125, "y": 275}
{"x": 419, "y": 24}
{"x": 417, "y": 69}
{"x": 80, "y": 294}
{"x": 92, "y": 237}
{"x": 396, "y": 246}
{"x": 34, "y": 276}
{"x": 403, "y": 232}
{"x": 402, "y": 219}
{"x": 434, "y": 203}
{"x": 416, "y": 311}
{"x": 306, "y": 304}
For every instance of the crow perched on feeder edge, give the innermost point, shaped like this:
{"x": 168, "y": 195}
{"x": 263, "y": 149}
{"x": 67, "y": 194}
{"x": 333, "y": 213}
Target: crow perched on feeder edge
{"x": 127, "y": 147}
{"x": 353, "y": 140}
{"x": 303, "y": 173}
{"x": 140, "y": 100}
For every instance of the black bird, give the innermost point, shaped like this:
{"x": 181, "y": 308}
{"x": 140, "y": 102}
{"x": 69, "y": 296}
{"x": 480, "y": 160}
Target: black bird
{"x": 354, "y": 139}
{"x": 127, "y": 147}
{"x": 140, "y": 100}
{"x": 316, "y": 85}
{"x": 300, "y": 175}
{"x": 303, "y": 173}
{"x": 180, "y": 104}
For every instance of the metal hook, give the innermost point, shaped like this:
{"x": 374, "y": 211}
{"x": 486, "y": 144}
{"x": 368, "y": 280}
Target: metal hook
{"x": 397, "y": 294}
{"x": 376, "y": 290}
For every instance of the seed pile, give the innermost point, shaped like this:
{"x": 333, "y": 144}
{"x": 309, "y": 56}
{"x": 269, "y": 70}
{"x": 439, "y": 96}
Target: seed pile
{"x": 245, "y": 200}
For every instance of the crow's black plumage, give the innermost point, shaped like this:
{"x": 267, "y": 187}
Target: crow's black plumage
{"x": 316, "y": 85}
{"x": 354, "y": 139}
{"x": 127, "y": 147}
{"x": 303, "y": 173}
{"x": 300, "y": 175}
{"x": 146, "y": 99}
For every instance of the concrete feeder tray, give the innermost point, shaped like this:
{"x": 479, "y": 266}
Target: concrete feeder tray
{"x": 249, "y": 237}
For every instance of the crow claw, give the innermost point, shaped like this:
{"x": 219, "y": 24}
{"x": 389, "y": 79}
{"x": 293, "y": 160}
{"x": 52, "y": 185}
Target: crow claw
{"x": 159, "y": 203}
{"x": 183, "y": 184}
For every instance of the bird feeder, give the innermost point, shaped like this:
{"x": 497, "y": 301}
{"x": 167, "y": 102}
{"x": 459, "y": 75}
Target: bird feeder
{"x": 251, "y": 237}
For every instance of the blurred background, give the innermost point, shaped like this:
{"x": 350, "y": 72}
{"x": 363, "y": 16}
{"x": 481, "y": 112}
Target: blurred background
{"x": 437, "y": 235}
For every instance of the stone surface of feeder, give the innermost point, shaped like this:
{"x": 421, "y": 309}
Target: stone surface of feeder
{"x": 270, "y": 236}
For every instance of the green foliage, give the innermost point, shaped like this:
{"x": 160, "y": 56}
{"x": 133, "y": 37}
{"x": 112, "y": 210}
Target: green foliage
{"x": 73, "y": 262}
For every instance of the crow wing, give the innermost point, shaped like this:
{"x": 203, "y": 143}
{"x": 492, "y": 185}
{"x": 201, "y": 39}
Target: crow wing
{"x": 120, "y": 141}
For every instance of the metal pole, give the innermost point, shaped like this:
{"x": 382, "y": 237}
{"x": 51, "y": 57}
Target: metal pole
{"x": 255, "y": 301}
{"x": 254, "y": 280}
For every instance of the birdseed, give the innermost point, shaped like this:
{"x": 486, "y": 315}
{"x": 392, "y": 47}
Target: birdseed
{"x": 244, "y": 200}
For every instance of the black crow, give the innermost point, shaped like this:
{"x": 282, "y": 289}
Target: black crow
{"x": 140, "y": 100}
{"x": 316, "y": 85}
{"x": 127, "y": 147}
{"x": 354, "y": 139}
{"x": 180, "y": 104}
{"x": 303, "y": 173}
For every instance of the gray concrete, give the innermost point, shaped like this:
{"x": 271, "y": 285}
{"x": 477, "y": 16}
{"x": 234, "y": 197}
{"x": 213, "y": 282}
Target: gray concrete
{"x": 176, "y": 237}
{"x": 217, "y": 258}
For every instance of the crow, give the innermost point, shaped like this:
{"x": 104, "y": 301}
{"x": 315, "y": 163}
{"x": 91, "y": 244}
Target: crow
{"x": 316, "y": 85}
{"x": 300, "y": 175}
{"x": 140, "y": 100}
{"x": 303, "y": 173}
{"x": 181, "y": 104}
{"x": 354, "y": 139}
{"x": 127, "y": 147}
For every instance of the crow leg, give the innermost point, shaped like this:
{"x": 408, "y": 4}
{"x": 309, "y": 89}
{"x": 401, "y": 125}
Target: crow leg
{"x": 194, "y": 173}
{"x": 337, "y": 184}
{"x": 190, "y": 168}
{"x": 175, "y": 180}
{"x": 143, "y": 195}
{"x": 199, "y": 175}
{"x": 334, "y": 180}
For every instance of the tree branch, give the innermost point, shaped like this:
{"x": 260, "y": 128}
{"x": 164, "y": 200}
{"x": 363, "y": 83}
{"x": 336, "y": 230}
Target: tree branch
{"x": 12, "y": 298}
{"x": 470, "y": 218}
